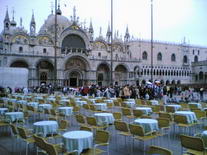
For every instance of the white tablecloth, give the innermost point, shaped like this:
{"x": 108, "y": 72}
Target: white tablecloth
{"x": 78, "y": 140}
{"x": 33, "y": 104}
{"x": 41, "y": 107}
{"x": 80, "y": 103}
{"x": 66, "y": 110}
{"x": 145, "y": 110}
{"x": 3, "y": 110}
{"x": 148, "y": 124}
{"x": 129, "y": 103}
{"x": 77, "y": 99}
{"x": 104, "y": 118}
{"x": 101, "y": 106}
{"x": 14, "y": 116}
{"x": 204, "y": 137}
{"x": 64, "y": 101}
{"x": 175, "y": 106}
{"x": 21, "y": 102}
{"x": 154, "y": 102}
{"x": 191, "y": 117}
{"x": 45, "y": 127}
{"x": 108, "y": 101}
{"x": 198, "y": 105}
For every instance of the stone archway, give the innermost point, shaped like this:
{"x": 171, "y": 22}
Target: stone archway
{"x": 19, "y": 63}
{"x": 103, "y": 75}
{"x": 75, "y": 78}
{"x": 121, "y": 74}
{"x": 75, "y": 72}
{"x": 45, "y": 72}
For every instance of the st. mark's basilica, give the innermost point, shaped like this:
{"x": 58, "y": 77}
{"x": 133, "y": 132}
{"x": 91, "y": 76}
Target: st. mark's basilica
{"x": 83, "y": 59}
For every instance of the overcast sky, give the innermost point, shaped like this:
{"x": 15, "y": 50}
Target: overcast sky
{"x": 173, "y": 19}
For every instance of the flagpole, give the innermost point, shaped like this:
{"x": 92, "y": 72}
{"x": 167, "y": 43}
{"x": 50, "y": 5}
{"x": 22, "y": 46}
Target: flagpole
{"x": 111, "y": 78}
{"x": 152, "y": 41}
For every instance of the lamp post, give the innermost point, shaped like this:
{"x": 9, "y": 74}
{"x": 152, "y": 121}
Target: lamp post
{"x": 55, "y": 47}
{"x": 111, "y": 76}
{"x": 151, "y": 40}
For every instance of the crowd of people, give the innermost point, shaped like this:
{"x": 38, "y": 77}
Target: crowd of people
{"x": 146, "y": 91}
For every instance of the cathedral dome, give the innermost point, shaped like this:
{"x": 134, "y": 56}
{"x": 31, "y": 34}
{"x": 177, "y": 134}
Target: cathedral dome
{"x": 49, "y": 24}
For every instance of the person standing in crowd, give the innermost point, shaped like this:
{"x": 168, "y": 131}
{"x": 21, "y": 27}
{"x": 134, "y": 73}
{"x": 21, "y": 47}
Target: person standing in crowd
{"x": 127, "y": 92}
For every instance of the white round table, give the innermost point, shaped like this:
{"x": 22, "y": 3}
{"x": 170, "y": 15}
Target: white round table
{"x": 101, "y": 106}
{"x": 21, "y": 102}
{"x": 149, "y": 125}
{"x": 14, "y": 116}
{"x": 78, "y": 140}
{"x": 145, "y": 110}
{"x": 104, "y": 118}
{"x": 41, "y": 107}
{"x": 198, "y": 105}
{"x": 12, "y": 100}
{"x": 191, "y": 117}
{"x": 154, "y": 102}
{"x": 129, "y": 103}
{"x": 80, "y": 103}
{"x": 64, "y": 101}
{"x": 175, "y": 106}
{"x": 66, "y": 110}
{"x": 77, "y": 99}
{"x": 108, "y": 101}
{"x": 33, "y": 104}
{"x": 3, "y": 110}
{"x": 45, "y": 127}
{"x": 204, "y": 137}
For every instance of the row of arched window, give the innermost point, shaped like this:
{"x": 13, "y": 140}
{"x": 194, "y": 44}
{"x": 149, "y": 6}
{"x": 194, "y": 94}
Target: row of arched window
{"x": 201, "y": 76}
{"x": 159, "y": 56}
{"x": 173, "y": 57}
{"x": 163, "y": 72}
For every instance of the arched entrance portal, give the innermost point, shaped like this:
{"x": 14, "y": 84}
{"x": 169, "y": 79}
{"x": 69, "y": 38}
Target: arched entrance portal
{"x": 75, "y": 71}
{"x": 103, "y": 74}
{"x": 19, "y": 63}
{"x": 45, "y": 72}
{"x": 121, "y": 74}
{"x": 75, "y": 79}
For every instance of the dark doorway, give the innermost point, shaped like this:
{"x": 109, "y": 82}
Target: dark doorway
{"x": 73, "y": 82}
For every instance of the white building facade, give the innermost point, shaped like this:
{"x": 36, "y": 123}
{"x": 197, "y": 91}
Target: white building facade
{"x": 83, "y": 59}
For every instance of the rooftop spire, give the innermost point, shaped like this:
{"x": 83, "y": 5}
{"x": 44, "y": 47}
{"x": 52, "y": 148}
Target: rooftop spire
{"x": 59, "y": 12}
{"x": 52, "y": 6}
{"x": 108, "y": 33}
{"x": 91, "y": 27}
{"x": 100, "y": 32}
{"x": 33, "y": 19}
{"x": 13, "y": 23}
{"x": 21, "y": 22}
{"x": 7, "y": 15}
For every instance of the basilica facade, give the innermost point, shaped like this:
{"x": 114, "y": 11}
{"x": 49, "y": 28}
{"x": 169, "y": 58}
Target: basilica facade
{"x": 82, "y": 59}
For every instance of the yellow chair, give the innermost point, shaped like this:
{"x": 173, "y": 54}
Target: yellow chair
{"x": 63, "y": 125}
{"x": 40, "y": 142}
{"x": 182, "y": 122}
{"x": 122, "y": 127}
{"x": 139, "y": 134}
{"x": 194, "y": 145}
{"x": 80, "y": 119}
{"x": 91, "y": 121}
{"x": 127, "y": 113}
{"x": 159, "y": 150}
{"x": 85, "y": 128}
{"x": 101, "y": 139}
{"x": 117, "y": 116}
{"x": 55, "y": 149}
{"x": 137, "y": 113}
{"x": 25, "y": 137}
